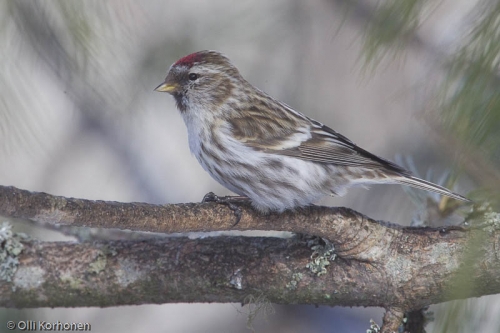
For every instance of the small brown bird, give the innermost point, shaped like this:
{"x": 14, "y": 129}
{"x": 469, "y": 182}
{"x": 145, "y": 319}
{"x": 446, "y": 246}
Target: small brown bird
{"x": 259, "y": 147}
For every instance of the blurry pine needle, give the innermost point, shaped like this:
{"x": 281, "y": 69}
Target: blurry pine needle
{"x": 393, "y": 24}
{"x": 468, "y": 120}
{"x": 58, "y": 40}
{"x": 470, "y": 96}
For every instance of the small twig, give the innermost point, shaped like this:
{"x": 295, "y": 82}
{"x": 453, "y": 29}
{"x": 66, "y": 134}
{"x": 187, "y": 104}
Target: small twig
{"x": 392, "y": 320}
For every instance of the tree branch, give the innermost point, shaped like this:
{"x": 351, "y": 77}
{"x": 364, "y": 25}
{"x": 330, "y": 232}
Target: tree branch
{"x": 378, "y": 264}
{"x": 215, "y": 269}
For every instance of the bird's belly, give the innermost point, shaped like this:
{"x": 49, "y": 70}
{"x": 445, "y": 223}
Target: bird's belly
{"x": 273, "y": 182}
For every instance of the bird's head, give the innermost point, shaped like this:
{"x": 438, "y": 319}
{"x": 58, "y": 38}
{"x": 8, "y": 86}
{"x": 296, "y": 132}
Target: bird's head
{"x": 203, "y": 79}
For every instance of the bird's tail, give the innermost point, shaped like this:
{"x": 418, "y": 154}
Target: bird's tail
{"x": 425, "y": 185}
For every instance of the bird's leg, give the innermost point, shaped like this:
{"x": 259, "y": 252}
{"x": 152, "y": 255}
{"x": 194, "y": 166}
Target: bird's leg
{"x": 228, "y": 201}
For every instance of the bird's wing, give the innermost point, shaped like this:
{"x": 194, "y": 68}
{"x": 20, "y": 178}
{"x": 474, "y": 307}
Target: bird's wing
{"x": 328, "y": 146}
{"x": 287, "y": 132}
{"x": 284, "y": 131}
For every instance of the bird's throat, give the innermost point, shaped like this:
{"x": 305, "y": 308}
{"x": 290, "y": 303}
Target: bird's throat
{"x": 181, "y": 101}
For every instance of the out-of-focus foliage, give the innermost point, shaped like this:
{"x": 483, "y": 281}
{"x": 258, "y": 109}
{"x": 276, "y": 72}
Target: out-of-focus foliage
{"x": 69, "y": 42}
{"x": 392, "y": 25}
{"x": 470, "y": 98}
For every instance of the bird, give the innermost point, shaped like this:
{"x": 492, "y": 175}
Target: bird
{"x": 264, "y": 150}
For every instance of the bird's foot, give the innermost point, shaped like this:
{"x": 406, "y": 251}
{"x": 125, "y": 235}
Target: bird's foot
{"x": 229, "y": 201}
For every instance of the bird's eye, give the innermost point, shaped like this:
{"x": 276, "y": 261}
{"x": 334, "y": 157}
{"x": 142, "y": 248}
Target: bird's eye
{"x": 193, "y": 76}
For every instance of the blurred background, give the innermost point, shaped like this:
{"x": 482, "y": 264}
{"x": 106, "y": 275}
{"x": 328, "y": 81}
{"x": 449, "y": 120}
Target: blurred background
{"x": 412, "y": 81}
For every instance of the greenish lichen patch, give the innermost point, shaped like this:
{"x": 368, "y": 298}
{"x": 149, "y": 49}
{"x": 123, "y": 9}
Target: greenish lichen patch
{"x": 11, "y": 247}
{"x": 493, "y": 219}
{"x": 484, "y": 215}
{"x": 99, "y": 264}
{"x": 323, "y": 254}
{"x": 296, "y": 278}
{"x": 318, "y": 266}
{"x": 74, "y": 283}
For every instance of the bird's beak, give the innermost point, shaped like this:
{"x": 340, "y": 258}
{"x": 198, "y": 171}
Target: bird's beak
{"x": 167, "y": 87}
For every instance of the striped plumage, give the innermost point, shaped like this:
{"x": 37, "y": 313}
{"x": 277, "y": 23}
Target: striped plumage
{"x": 261, "y": 148}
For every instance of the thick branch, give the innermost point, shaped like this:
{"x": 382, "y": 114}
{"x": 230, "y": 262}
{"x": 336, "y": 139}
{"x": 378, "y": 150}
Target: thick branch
{"x": 398, "y": 268}
{"x": 43, "y": 207}
{"x": 219, "y": 269}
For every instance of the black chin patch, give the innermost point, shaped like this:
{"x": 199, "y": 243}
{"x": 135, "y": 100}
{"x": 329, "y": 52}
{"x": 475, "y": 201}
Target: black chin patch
{"x": 181, "y": 101}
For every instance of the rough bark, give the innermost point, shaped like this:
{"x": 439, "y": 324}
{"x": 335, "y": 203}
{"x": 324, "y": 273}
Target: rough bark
{"x": 376, "y": 264}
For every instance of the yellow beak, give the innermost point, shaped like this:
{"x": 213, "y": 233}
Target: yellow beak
{"x": 167, "y": 87}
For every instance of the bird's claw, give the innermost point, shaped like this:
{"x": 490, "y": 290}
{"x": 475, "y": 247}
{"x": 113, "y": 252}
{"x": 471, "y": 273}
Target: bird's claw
{"x": 228, "y": 201}
{"x": 210, "y": 197}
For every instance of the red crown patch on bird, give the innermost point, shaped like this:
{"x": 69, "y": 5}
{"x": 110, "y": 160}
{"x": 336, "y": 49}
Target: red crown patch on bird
{"x": 189, "y": 60}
